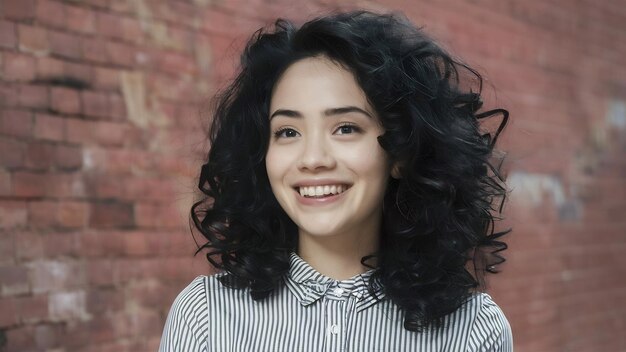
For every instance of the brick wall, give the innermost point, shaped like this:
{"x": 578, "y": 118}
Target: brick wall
{"x": 100, "y": 144}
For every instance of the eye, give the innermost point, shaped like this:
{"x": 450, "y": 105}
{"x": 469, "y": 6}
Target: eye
{"x": 348, "y": 128}
{"x": 285, "y": 133}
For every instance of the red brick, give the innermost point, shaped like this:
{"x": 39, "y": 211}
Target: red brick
{"x": 155, "y": 243}
{"x": 40, "y": 156}
{"x": 73, "y": 214}
{"x": 111, "y": 215}
{"x": 106, "y": 187}
{"x": 101, "y": 244}
{"x": 28, "y": 245}
{"x": 119, "y": 162}
{"x": 33, "y": 96}
{"x": 120, "y": 54}
{"x": 33, "y": 39}
{"x": 176, "y": 63}
{"x": 80, "y": 131}
{"x": 14, "y": 280}
{"x": 103, "y": 328}
{"x": 95, "y": 104}
{"x": 149, "y": 189}
{"x": 9, "y": 96}
{"x": 42, "y": 214}
{"x": 33, "y": 308}
{"x": 13, "y": 214}
{"x": 219, "y": 22}
{"x": 65, "y": 185}
{"x": 64, "y": 100}
{"x": 103, "y": 4}
{"x": 6, "y": 188}
{"x": 59, "y": 244}
{"x": 49, "y": 336}
{"x": 17, "y": 67}
{"x": 9, "y": 311}
{"x": 103, "y": 301}
{"x": 110, "y": 25}
{"x": 68, "y": 157}
{"x": 16, "y": 123}
{"x": 8, "y": 37}
{"x": 146, "y": 323}
{"x": 51, "y": 13}
{"x": 7, "y": 248}
{"x": 18, "y": 9}
{"x": 100, "y": 272}
{"x": 110, "y": 133}
{"x": 80, "y": 72}
{"x": 131, "y": 31}
{"x": 28, "y": 185}
{"x": 48, "y": 67}
{"x": 49, "y": 127}
{"x": 13, "y": 153}
{"x": 154, "y": 215}
{"x": 80, "y": 19}
{"x": 107, "y": 78}
{"x": 126, "y": 270}
{"x": 94, "y": 49}
{"x": 173, "y": 269}
{"x": 96, "y": 132}
{"x": 66, "y": 45}
{"x": 20, "y": 338}
{"x": 121, "y": 6}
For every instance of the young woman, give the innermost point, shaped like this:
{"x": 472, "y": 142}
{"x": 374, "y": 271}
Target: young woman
{"x": 348, "y": 199}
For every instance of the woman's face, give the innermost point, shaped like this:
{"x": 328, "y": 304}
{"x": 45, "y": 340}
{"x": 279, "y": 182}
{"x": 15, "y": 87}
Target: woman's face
{"x": 324, "y": 163}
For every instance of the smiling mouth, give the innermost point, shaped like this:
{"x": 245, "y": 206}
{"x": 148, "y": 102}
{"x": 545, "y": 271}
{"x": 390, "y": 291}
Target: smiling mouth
{"x": 321, "y": 191}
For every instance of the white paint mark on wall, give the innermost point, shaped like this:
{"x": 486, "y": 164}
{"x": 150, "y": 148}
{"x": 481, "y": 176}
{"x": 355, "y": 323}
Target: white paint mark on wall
{"x": 616, "y": 114}
{"x": 534, "y": 186}
{"x": 67, "y": 305}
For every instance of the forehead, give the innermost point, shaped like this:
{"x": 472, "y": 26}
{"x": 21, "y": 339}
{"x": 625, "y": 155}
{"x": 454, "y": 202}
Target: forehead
{"x": 317, "y": 82}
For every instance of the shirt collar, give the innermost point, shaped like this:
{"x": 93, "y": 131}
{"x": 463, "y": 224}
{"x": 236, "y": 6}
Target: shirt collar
{"x": 308, "y": 285}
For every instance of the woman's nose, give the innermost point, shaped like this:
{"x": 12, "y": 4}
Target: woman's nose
{"x": 316, "y": 154}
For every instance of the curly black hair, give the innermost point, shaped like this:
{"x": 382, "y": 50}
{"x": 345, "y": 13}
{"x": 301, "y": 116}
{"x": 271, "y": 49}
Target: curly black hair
{"x": 437, "y": 236}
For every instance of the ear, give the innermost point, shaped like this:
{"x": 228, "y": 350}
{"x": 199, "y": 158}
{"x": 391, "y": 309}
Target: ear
{"x": 395, "y": 171}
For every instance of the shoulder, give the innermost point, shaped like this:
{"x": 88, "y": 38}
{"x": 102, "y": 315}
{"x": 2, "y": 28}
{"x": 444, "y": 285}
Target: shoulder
{"x": 187, "y": 320}
{"x": 490, "y": 329}
{"x": 192, "y": 298}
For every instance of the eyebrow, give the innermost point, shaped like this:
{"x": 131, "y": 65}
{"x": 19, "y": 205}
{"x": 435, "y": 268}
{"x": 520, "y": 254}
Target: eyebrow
{"x": 327, "y": 112}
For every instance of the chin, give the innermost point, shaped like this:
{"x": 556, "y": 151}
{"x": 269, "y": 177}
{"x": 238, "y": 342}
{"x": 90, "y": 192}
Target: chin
{"x": 319, "y": 231}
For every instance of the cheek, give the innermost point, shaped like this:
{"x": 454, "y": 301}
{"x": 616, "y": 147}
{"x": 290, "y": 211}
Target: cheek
{"x": 275, "y": 165}
{"x": 369, "y": 161}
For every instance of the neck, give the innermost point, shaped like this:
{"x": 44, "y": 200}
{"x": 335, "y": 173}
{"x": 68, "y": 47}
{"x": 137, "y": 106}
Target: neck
{"x": 339, "y": 256}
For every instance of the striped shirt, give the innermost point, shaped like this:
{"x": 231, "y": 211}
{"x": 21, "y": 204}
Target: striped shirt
{"x": 312, "y": 312}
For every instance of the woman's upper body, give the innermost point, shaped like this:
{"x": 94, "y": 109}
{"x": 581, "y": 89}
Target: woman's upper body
{"x": 355, "y": 142}
{"x": 312, "y": 312}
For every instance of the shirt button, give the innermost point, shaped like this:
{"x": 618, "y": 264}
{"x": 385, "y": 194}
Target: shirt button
{"x": 338, "y": 291}
{"x": 334, "y": 329}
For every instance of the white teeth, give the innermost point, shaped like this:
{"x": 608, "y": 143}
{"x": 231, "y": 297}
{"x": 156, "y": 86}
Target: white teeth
{"x": 317, "y": 191}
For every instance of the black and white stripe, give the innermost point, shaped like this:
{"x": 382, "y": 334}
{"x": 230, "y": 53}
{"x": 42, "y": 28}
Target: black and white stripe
{"x": 311, "y": 312}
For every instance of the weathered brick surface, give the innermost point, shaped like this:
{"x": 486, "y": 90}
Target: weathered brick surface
{"x": 100, "y": 138}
